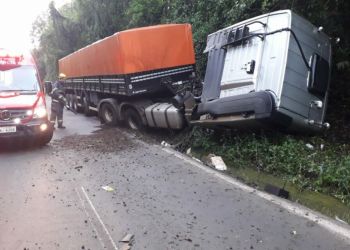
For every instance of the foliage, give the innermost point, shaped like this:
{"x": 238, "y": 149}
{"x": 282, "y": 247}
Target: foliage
{"x": 309, "y": 162}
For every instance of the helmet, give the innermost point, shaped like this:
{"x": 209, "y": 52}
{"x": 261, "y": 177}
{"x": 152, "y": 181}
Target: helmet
{"x": 61, "y": 76}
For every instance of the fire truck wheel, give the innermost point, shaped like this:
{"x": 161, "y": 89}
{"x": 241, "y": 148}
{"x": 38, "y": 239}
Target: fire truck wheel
{"x": 45, "y": 138}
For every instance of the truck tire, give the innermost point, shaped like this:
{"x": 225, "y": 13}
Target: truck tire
{"x": 133, "y": 119}
{"x": 69, "y": 100}
{"x": 109, "y": 114}
{"x": 86, "y": 109}
{"x": 75, "y": 106}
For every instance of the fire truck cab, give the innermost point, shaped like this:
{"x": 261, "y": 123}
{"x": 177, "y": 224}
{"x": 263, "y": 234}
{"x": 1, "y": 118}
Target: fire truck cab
{"x": 23, "y": 113}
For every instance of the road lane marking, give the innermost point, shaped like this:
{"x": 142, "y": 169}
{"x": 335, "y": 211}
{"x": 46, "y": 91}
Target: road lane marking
{"x": 99, "y": 219}
{"x": 300, "y": 211}
{"x": 90, "y": 219}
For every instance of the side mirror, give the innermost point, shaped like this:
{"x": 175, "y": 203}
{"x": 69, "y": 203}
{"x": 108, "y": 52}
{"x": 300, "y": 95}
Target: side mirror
{"x": 48, "y": 87}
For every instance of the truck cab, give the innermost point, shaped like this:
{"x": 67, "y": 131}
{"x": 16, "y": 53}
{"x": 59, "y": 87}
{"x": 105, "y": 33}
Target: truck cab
{"x": 23, "y": 113}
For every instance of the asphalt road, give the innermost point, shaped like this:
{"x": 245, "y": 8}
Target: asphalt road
{"x": 52, "y": 198}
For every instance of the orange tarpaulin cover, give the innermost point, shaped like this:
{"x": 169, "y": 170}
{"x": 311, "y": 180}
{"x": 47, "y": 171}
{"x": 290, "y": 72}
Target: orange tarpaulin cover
{"x": 133, "y": 51}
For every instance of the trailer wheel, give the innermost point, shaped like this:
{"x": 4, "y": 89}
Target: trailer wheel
{"x": 69, "y": 100}
{"x": 133, "y": 119}
{"x": 86, "y": 109}
{"x": 74, "y": 104}
{"x": 108, "y": 114}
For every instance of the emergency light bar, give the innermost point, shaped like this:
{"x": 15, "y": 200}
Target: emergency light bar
{"x": 10, "y": 60}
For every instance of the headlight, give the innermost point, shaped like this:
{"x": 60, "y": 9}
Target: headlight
{"x": 40, "y": 112}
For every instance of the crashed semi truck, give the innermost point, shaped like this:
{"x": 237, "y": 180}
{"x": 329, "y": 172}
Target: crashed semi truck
{"x": 271, "y": 70}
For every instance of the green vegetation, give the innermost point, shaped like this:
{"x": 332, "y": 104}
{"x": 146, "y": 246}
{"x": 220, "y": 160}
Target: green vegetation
{"x": 59, "y": 32}
{"x": 311, "y": 163}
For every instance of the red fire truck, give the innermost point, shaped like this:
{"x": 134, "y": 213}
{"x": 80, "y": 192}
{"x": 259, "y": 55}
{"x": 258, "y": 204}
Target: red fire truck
{"x": 23, "y": 113}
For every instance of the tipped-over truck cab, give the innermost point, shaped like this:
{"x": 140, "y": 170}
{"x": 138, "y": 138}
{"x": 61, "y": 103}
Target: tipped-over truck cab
{"x": 273, "y": 69}
{"x": 23, "y": 113}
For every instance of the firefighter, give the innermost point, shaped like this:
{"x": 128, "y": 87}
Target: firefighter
{"x": 58, "y": 102}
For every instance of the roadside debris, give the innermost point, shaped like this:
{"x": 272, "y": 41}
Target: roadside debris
{"x": 108, "y": 188}
{"x": 188, "y": 151}
{"x": 125, "y": 247}
{"x": 218, "y": 163}
{"x": 78, "y": 168}
{"x": 340, "y": 220}
{"x": 165, "y": 144}
{"x": 127, "y": 240}
{"x": 309, "y": 146}
{"x": 293, "y": 232}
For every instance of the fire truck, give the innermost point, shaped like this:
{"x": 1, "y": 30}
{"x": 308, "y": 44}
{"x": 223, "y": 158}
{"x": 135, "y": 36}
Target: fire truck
{"x": 23, "y": 112}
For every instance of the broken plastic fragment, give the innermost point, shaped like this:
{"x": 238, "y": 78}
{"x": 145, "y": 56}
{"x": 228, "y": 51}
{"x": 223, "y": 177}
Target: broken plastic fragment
{"x": 108, "y": 188}
{"x": 165, "y": 144}
{"x": 218, "y": 163}
{"x": 127, "y": 238}
{"x": 340, "y": 220}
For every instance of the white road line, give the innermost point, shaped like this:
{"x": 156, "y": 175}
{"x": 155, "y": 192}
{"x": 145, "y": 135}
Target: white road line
{"x": 99, "y": 219}
{"x": 90, "y": 219}
{"x": 323, "y": 221}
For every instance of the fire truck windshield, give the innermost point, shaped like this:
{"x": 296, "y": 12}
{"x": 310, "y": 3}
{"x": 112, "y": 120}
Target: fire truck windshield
{"x": 23, "y": 78}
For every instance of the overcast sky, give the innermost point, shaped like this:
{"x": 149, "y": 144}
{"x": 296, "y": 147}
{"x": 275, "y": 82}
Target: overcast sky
{"x": 16, "y": 18}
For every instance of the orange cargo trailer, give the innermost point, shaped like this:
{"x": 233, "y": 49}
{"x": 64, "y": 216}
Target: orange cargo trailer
{"x": 133, "y": 51}
{"x": 121, "y": 75}
{"x": 133, "y": 62}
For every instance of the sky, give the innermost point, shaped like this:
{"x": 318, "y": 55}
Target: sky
{"x": 16, "y": 18}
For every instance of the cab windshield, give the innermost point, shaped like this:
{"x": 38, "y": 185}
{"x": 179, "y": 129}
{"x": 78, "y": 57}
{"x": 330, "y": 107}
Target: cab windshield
{"x": 23, "y": 78}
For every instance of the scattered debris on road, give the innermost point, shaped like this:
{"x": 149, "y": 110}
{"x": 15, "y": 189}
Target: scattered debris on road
{"x": 165, "y": 144}
{"x": 78, "y": 168}
{"x": 340, "y": 220}
{"x": 127, "y": 238}
{"x": 108, "y": 188}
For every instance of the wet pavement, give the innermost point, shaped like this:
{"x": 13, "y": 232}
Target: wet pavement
{"x": 53, "y": 198}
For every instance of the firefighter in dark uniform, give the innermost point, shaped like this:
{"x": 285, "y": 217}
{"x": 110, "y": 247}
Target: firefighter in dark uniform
{"x": 58, "y": 102}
